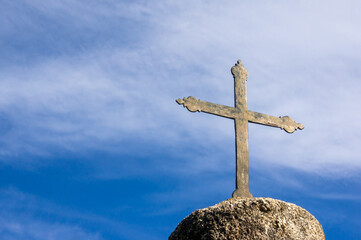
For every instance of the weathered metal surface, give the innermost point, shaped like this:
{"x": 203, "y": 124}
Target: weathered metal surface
{"x": 196, "y": 105}
{"x": 285, "y": 123}
{"x": 241, "y": 116}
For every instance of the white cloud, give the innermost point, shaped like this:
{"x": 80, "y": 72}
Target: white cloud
{"x": 29, "y": 229}
{"x": 302, "y": 60}
{"x": 26, "y": 216}
{"x": 18, "y": 222}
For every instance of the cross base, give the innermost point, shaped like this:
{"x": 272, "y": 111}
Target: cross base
{"x": 241, "y": 193}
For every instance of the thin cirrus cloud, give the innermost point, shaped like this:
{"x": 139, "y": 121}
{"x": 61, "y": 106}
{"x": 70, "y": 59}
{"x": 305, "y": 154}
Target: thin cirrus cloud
{"x": 19, "y": 221}
{"x": 26, "y": 216}
{"x": 301, "y": 57}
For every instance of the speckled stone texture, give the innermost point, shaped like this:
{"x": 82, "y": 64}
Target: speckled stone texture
{"x": 249, "y": 218}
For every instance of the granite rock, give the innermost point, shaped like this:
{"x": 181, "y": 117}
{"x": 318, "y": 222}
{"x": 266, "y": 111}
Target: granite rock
{"x": 249, "y": 218}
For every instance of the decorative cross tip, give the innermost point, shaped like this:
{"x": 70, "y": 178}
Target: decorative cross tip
{"x": 191, "y": 103}
{"x": 289, "y": 125}
{"x": 239, "y": 71}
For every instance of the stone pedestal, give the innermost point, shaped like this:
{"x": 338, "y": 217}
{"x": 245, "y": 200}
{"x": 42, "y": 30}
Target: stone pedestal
{"x": 249, "y": 218}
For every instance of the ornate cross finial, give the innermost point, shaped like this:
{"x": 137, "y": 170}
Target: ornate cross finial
{"x": 239, "y": 71}
{"x": 241, "y": 115}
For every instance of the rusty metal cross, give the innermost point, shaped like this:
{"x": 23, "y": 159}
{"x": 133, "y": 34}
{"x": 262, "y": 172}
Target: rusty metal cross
{"x": 241, "y": 117}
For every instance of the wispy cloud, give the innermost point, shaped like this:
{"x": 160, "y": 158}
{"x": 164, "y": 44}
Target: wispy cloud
{"x": 14, "y": 228}
{"x": 302, "y": 59}
{"x": 26, "y": 216}
{"x": 18, "y": 220}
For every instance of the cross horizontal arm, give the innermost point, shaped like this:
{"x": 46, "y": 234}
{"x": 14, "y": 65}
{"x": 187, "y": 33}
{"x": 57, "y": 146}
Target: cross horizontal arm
{"x": 286, "y": 123}
{"x": 194, "y": 105}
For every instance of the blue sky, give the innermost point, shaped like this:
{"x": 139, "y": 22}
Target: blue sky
{"x": 93, "y": 145}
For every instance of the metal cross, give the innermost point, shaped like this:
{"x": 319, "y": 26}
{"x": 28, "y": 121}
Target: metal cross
{"x": 241, "y": 117}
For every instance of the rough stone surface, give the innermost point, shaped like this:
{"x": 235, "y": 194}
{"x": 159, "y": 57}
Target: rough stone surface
{"x": 249, "y": 218}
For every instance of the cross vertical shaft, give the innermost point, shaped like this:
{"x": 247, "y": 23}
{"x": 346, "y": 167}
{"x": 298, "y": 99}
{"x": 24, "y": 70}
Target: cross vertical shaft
{"x": 241, "y": 128}
{"x": 242, "y": 163}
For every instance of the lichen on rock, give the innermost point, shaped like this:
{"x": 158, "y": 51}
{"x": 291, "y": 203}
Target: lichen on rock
{"x": 249, "y": 218}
